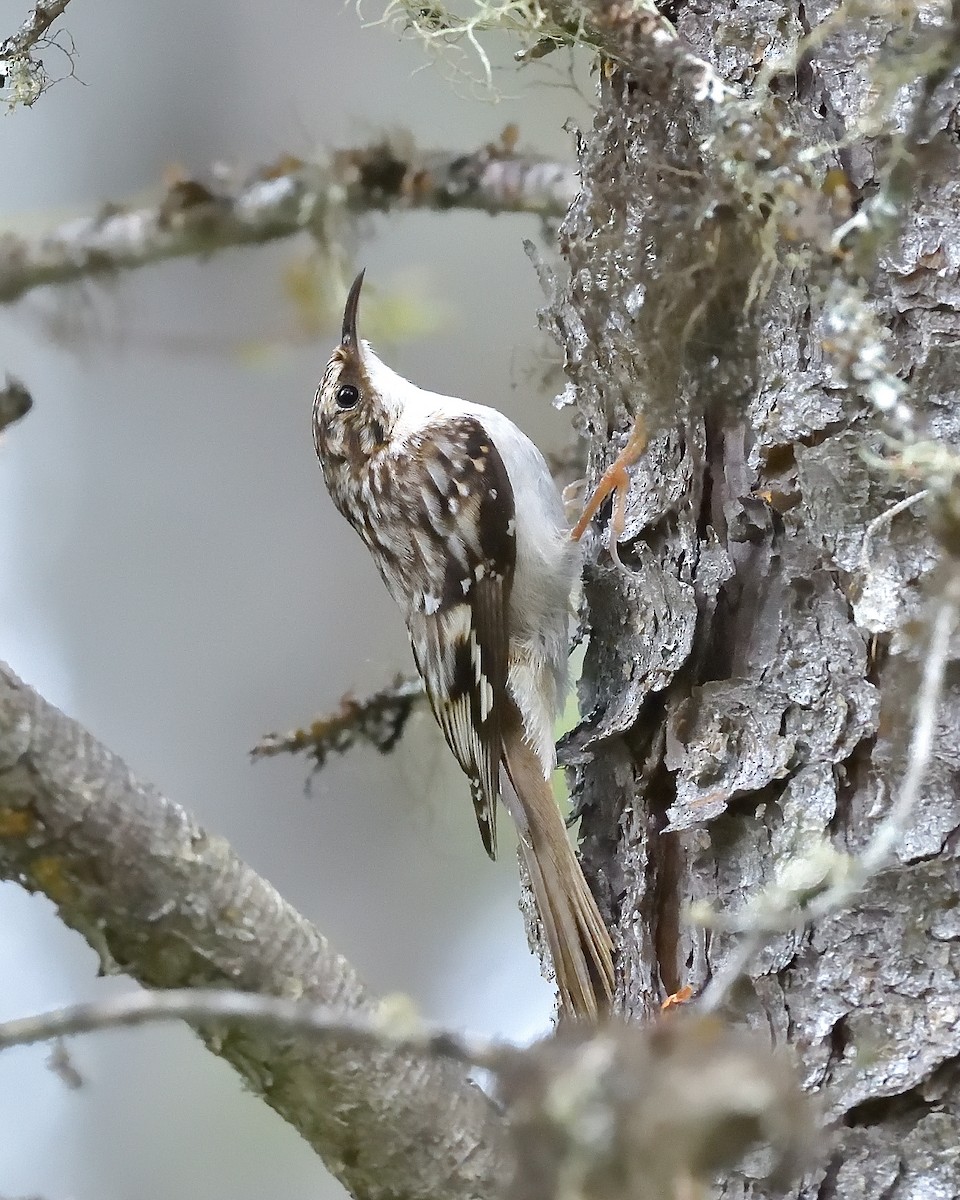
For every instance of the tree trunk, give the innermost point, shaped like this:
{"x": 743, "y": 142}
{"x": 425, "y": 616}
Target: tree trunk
{"x": 751, "y": 671}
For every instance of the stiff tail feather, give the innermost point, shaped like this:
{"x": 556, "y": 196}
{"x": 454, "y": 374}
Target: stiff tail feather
{"x": 577, "y": 938}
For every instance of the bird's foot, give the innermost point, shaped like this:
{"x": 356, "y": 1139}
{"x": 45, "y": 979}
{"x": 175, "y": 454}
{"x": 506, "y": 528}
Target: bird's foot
{"x": 615, "y": 479}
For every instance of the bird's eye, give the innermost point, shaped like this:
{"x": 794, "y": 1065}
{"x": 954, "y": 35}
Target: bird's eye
{"x": 347, "y": 396}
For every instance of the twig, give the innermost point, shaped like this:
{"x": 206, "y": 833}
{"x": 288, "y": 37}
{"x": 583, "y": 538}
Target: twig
{"x": 885, "y": 518}
{"x": 379, "y": 719}
{"x": 36, "y": 24}
{"x": 393, "y": 1025}
{"x": 163, "y": 901}
{"x": 19, "y": 70}
{"x": 195, "y": 217}
{"x": 734, "y": 965}
{"x": 891, "y": 831}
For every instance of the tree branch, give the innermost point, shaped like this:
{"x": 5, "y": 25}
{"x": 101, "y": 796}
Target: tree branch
{"x": 18, "y": 68}
{"x": 378, "y": 719}
{"x": 291, "y": 196}
{"x": 173, "y": 907}
{"x": 35, "y": 25}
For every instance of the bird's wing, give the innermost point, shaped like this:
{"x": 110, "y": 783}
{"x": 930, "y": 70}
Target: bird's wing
{"x": 463, "y": 547}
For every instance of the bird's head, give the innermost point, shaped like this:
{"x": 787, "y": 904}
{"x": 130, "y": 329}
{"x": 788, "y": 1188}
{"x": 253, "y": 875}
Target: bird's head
{"x": 353, "y": 413}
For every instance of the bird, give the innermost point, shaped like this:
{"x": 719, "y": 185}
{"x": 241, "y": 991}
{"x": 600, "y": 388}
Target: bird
{"x": 467, "y": 530}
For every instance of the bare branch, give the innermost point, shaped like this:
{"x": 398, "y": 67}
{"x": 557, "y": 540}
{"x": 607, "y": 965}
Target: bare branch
{"x": 881, "y": 522}
{"x": 292, "y": 196}
{"x": 379, "y": 720}
{"x": 36, "y": 24}
{"x": 891, "y": 830}
{"x": 18, "y": 68}
{"x": 163, "y": 901}
{"x": 392, "y": 1024}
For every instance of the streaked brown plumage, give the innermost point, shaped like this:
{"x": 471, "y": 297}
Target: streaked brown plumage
{"x": 466, "y": 528}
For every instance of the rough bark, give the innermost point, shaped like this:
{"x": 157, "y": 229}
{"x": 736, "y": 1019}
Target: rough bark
{"x": 749, "y": 674}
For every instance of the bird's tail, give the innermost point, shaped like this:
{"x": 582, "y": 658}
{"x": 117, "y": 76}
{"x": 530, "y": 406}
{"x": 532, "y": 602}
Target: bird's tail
{"x": 577, "y": 938}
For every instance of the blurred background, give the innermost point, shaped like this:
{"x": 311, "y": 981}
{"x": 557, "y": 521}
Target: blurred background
{"x": 173, "y": 574}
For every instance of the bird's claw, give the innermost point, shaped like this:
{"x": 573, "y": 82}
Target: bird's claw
{"x": 617, "y": 480}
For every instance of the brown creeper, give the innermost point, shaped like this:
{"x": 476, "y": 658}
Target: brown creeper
{"x": 466, "y": 528}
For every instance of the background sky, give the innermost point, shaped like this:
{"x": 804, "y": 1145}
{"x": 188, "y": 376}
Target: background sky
{"x": 173, "y": 574}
